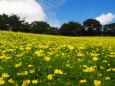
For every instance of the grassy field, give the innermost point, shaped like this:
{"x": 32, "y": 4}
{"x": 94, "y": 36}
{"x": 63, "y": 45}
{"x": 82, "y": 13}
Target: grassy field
{"x": 44, "y": 60}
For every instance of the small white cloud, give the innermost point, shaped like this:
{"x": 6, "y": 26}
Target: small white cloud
{"x": 105, "y": 18}
{"x": 54, "y": 23}
{"x": 29, "y": 9}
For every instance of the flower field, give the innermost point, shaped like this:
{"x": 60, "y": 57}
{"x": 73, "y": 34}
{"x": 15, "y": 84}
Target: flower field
{"x": 46, "y": 60}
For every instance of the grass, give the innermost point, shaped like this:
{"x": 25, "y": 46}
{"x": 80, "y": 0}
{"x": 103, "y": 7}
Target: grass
{"x": 46, "y": 60}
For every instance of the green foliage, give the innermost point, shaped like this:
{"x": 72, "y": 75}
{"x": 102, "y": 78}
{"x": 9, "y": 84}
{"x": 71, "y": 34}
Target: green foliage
{"x": 40, "y": 27}
{"x": 4, "y": 21}
{"x": 92, "y": 27}
{"x": 53, "y": 31}
{"x": 71, "y": 29}
{"x": 91, "y": 23}
{"x": 109, "y": 29}
{"x": 15, "y": 23}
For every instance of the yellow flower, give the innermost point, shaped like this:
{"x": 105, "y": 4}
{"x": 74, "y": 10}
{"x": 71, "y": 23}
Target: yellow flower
{"x": 95, "y": 59}
{"x": 57, "y": 71}
{"x": 89, "y": 69}
{"x": 1, "y": 57}
{"x": 113, "y": 69}
{"x": 107, "y": 78}
{"x": 67, "y": 65}
{"x": 21, "y": 48}
{"x": 18, "y": 74}
{"x": 1, "y": 81}
{"x": 28, "y": 48}
{"x": 97, "y": 82}
{"x": 39, "y": 52}
{"x": 82, "y": 81}
{"x": 108, "y": 64}
{"x": 5, "y": 75}
{"x": 30, "y": 65}
{"x": 70, "y": 47}
{"x": 29, "y": 45}
{"x": 25, "y": 82}
{"x": 85, "y": 66}
{"x": 108, "y": 70}
{"x": 18, "y": 65}
{"x": 94, "y": 54}
{"x": 10, "y": 81}
{"x": 32, "y": 71}
{"x": 19, "y": 55}
{"x": 80, "y": 54}
{"x": 47, "y": 59}
{"x": 34, "y": 81}
{"x": 105, "y": 61}
{"x": 25, "y": 73}
{"x": 99, "y": 74}
{"x": 50, "y": 77}
{"x": 7, "y": 58}
{"x": 101, "y": 67}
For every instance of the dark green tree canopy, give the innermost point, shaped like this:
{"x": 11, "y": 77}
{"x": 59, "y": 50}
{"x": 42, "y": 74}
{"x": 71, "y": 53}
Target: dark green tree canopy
{"x": 91, "y": 24}
{"x": 71, "y": 28}
{"x": 53, "y": 31}
{"x": 40, "y": 27}
{"x": 92, "y": 27}
{"x": 109, "y": 29}
{"x": 4, "y": 21}
{"x": 15, "y": 23}
{"x": 111, "y": 26}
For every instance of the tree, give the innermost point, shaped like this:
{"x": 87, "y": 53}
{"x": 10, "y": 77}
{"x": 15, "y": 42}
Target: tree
{"x": 15, "y": 23}
{"x": 71, "y": 29}
{"x": 92, "y": 27}
{"x": 4, "y": 22}
{"x": 40, "y": 27}
{"x": 53, "y": 31}
{"x": 25, "y": 27}
{"x": 110, "y": 29}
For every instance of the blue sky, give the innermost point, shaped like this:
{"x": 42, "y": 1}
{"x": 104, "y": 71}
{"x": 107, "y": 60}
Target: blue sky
{"x": 57, "y": 12}
{"x": 80, "y": 10}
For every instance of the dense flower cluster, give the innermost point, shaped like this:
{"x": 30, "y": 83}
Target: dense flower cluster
{"x": 42, "y": 60}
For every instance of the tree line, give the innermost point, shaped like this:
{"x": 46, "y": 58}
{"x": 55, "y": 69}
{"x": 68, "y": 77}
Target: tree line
{"x": 90, "y": 27}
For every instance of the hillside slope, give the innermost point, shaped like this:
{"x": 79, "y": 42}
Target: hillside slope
{"x": 46, "y": 60}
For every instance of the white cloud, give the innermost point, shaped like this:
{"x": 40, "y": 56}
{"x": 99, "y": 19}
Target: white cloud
{"x": 54, "y": 22}
{"x": 40, "y": 10}
{"x": 29, "y": 9}
{"x": 105, "y": 18}
{"x": 50, "y": 6}
{"x": 52, "y": 19}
